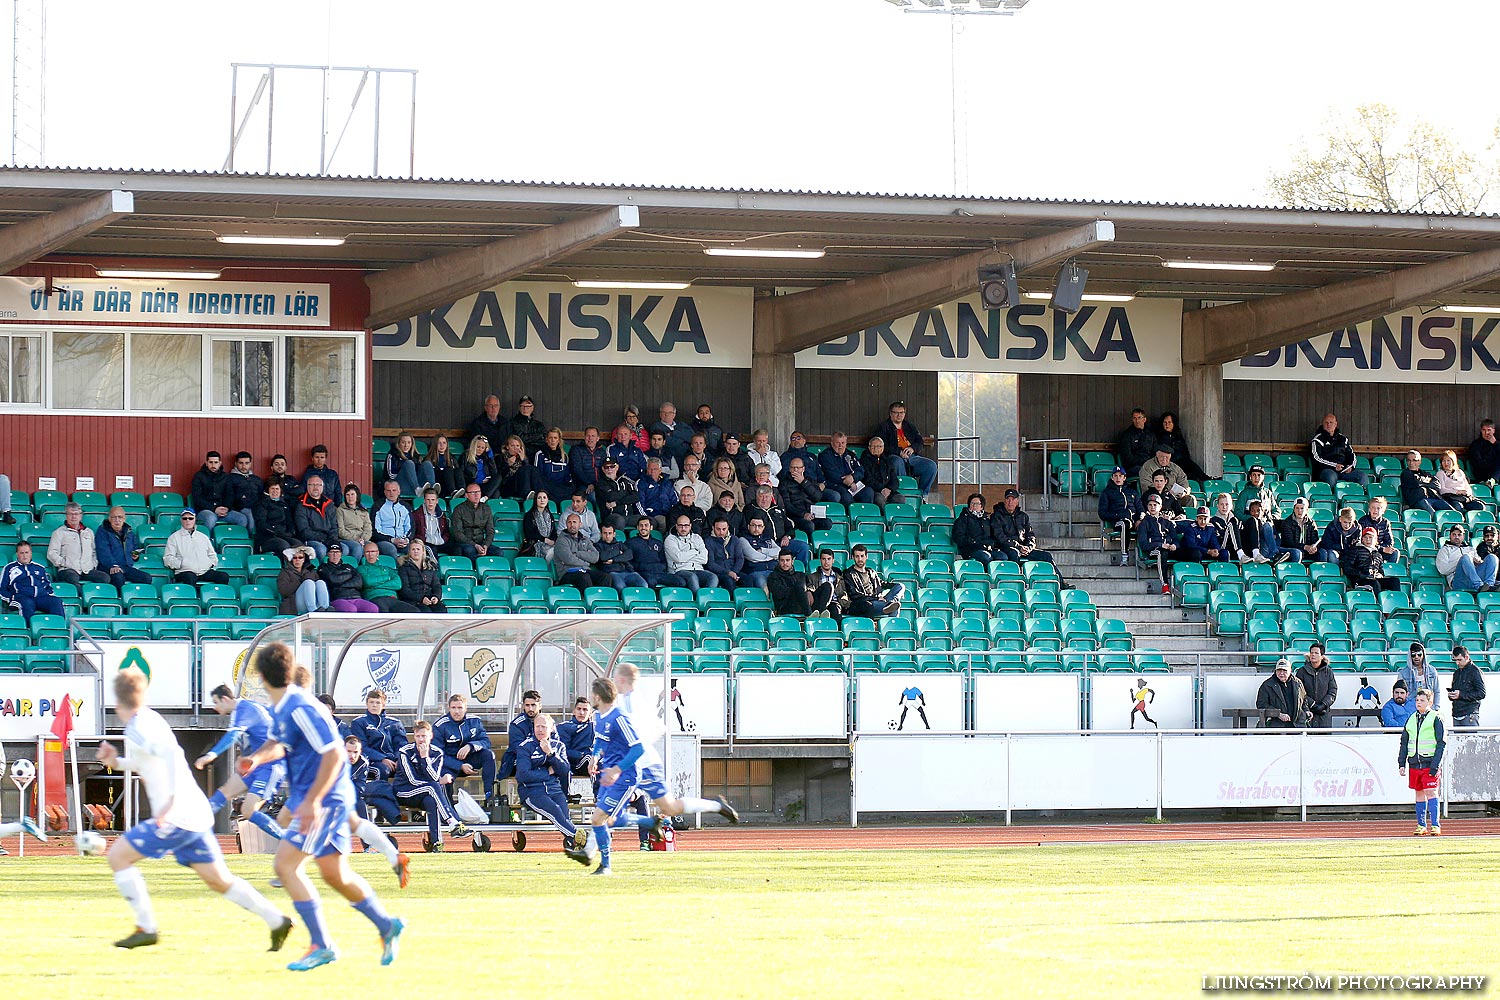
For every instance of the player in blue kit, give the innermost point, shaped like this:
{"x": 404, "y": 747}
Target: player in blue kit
{"x": 320, "y": 798}
{"x": 181, "y": 822}
{"x": 619, "y": 753}
{"x": 250, "y": 727}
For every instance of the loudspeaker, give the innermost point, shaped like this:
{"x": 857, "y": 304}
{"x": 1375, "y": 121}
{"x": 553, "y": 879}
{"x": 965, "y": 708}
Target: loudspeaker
{"x": 1068, "y": 295}
{"x": 997, "y": 286}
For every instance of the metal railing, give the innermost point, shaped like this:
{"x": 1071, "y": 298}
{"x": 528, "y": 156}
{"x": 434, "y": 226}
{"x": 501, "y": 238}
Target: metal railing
{"x": 974, "y": 468}
{"x": 1047, "y": 473}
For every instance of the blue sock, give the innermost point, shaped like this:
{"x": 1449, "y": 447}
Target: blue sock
{"x": 1432, "y": 812}
{"x": 601, "y": 837}
{"x": 267, "y": 824}
{"x": 311, "y": 912}
{"x": 1421, "y": 812}
{"x": 375, "y": 913}
{"x": 217, "y": 801}
{"x": 632, "y": 819}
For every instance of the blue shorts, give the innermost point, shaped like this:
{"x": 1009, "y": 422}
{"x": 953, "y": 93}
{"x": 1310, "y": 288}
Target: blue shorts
{"x": 331, "y": 836}
{"x": 612, "y": 798}
{"x": 265, "y": 780}
{"x": 188, "y": 847}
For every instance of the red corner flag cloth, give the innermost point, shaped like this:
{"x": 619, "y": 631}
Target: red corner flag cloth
{"x": 63, "y": 724}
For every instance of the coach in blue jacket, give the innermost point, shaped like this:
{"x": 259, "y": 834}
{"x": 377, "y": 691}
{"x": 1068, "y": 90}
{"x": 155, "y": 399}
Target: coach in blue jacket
{"x": 521, "y": 729}
{"x": 466, "y": 746}
{"x": 382, "y": 736}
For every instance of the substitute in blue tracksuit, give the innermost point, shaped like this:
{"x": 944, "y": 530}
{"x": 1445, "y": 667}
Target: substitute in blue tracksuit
{"x": 466, "y": 746}
{"x": 421, "y": 784}
{"x": 542, "y": 772}
{"x": 521, "y": 729}
{"x": 577, "y": 734}
{"x": 371, "y": 791}
{"x": 382, "y": 736}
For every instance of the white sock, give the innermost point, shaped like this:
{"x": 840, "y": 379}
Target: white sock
{"x": 376, "y": 838}
{"x": 9, "y": 829}
{"x": 133, "y": 888}
{"x": 243, "y": 895}
{"x": 692, "y": 806}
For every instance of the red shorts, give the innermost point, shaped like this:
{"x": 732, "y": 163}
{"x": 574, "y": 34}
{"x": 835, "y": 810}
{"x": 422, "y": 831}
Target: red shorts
{"x": 1421, "y": 779}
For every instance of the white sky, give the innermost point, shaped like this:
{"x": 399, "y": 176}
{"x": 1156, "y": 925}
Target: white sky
{"x": 1160, "y": 100}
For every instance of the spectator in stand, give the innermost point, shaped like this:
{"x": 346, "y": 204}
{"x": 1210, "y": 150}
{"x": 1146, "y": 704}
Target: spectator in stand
{"x": 515, "y": 472}
{"x": 332, "y": 485}
{"x": 1395, "y": 712}
{"x": 1465, "y": 568}
{"x": 703, "y": 423}
{"x": 797, "y": 448}
{"x": 1256, "y": 488}
{"x": 574, "y": 556}
{"x": 1014, "y": 539}
{"x": 479, "y": 467}
{"x": 245, "y": 490}
{"x": 702, "y": 492}
{"x": 869, "y": 595}
{"x": 973, "y": 534}
{"x": 345, "y": 585}
{"x": 761, "y": 453}
{"x": 210, "y": 494}
{"x": 420, "y": 586}
{"x": 656, "y": 494}
{"x": 726, "y": 561}
{"x": 1418, "y": 487}
{"x": 473, "y": 525}
{"x": 539, "y": 527}
{"x": 1375, "y": 518}
{"x": 407, "y": 467}
{"x": 638, "y": 433}
{"x": 759, "y": 550}
{"x": 687, "y": 506}
{"x": 1168, "y": 437}
{"x": 1258, "y": 535}
{"x": 429, "y": 522}
{"x": 1321, "y": 686}
{"x": 586, "y": 461}
{"x": 842, "y": 472}
{"x": 725, "y": 510}
{"x": 1136, "y": 445}
{"x": 788, "y": 588}
{"x": 1157, "y": 540}
{"x": 6, "y": 517}
{"x": 577, "y": 734}
{"x": 447, "y": 467}
{"x": 724, "y": 480}
{"x": 1200, "y": 542}
{"x": 1466, "y": 691}
{"x": 1333, "y": 456}
{"x": 1340, "y": 535}
{"x": 1418, "y": 671}
{"x": 355, "y": 526}
{"x": 291, "y": 487}
{"x": 382, "y": 736}
{"x": 1120, "y": 509}
{"x": 489, "y": 424}
{"x": 675, "y": 435}
{"x": 881, "y": 473}
{"x": 24, "y": 587}
{"x": 275, "y": 523}
{"x": 466, "y": 746}
{"x": 616, "y": 560}
{"x": 623, "y": 450}
{"x": 616, "y": 497}
{"x": 115, "y": 544}
{"x": 391, "y": 522}
{"x": 777, "y": 524}
{"x": 687, "y": 556}
{"x": 527, "y": 427}
{"x": 1484, "y": 454}
{"x": 1172, "y": 506}
{"x": 659, "y": 451}
{"x": 382, "y": 583}
{"x": 799, "y": 495}
{"x": 1177, "y": 480}
{"x": 744, "y": 468}
{"x": 552, "y": 472}
{"x": 1282, "y": 698}
{"x": 1489, "y": 542}
{"x": 698, "y": 448}
{"x": 1299, "y": 533}
{"x": 1227, "y": 526}
{"x": 301, "y": 589}
{"x": 762, "y": 477}
{"x": 1453, "y": 486}
{"x": 904, "y": 442}
{"x": 826, "y": 590}
{"x": 1364, "y": 564}
{"x": 649, "y": 557}
{"x": 72, "y": 550}
{"x": 316, "y": 517}
{"x": 190, "y": 554}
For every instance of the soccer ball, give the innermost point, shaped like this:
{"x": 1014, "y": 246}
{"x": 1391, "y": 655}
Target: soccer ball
{"x": 23, "y": 772}
{"x": 89, "y": 843}
{"x": 891, "y": 724}
{"x": 692, "y": 727}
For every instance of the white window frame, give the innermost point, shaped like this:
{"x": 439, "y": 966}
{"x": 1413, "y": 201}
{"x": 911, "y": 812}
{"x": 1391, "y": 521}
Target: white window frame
{"x": 11, "y": 405}
{"x": 278, "y": 355}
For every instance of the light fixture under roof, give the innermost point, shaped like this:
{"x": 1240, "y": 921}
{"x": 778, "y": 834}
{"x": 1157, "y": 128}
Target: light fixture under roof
{"x": 1087, "y": 296}
{"x": 273, "y": 240}
{"x": 661, "y": 286}
{"x": 152, "y": 274}
{"x": 1218, "y": 265}
{"x": 789, "y": 253}
{"x": 1487, "y": 310}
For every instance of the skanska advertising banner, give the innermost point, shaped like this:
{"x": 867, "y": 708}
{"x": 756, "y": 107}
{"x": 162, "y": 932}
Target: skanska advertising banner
{"x": 1410, "y": 346}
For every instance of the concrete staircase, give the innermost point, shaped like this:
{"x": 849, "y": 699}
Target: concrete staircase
{"x": 1153, "y": 619}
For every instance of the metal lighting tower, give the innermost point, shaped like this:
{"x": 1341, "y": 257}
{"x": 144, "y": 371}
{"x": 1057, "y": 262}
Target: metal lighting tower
{"x": 28, "y": 83}
{"x": 960, "y": 109}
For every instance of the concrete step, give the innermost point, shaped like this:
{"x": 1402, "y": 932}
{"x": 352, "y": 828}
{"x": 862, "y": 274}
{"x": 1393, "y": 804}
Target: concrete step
{"x": 1167, "y": 625}
{"x": 1114, "y": 587}
{"x": 1143, "y": 616}
{"x": 1138, "y": 598}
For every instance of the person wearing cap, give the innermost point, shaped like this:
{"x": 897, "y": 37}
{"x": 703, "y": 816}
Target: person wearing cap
{"x": 744, "y": 466}
{"x": 1177, "y": 480}
{"x": 724, "y": 509}
{"x": 1256, "y": 488}
{"x": 1463, "y": 566}
{"x": 1398, "y": 708}
{"x": 1333, "y": 456}
{"x": 1320, "y": 685}
{"x": 616, "y": 498}
{"x": 1341, "y": 535}
{"x": 1375, "y": 518}
{"x": 1157, "y": 540}
{"x": 1489, "y": 542}
{"x": 1136, "y": 444}
{"x": 1200, "y": 542}
{"x": 1011, "y": 528}
{"x": 1418, "y": 671}
{"x": 1282, "y": 698}
{"x": 1421, "y": 761}
{"x": 1364, "y": 564}
{"x": 973, "y": 534}
{"x": 1467, "y": 689}
{"x": 299, "y": 585}
{"x": 525, "y": 425}
{"x": 1419, "y": 490}
{"x": 1298, "y": 533}
{"x": 190, "y": 554}
{"x": 903, "y": 442}
{"x": 1120, "y": 510}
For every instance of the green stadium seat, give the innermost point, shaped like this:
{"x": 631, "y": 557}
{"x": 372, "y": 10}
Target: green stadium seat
{"x": 165, "y": 504}
{"x": 102, "y": 599}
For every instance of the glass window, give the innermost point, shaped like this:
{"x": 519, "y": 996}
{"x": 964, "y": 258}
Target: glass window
{"x": 88, "y": 371}
{"x": 166, "y": 371}
{"x": 243, "y": 372}
{"x": 320, "y": 374}
{"x": 977, "y": 429}
{"x": 20, "y": 369}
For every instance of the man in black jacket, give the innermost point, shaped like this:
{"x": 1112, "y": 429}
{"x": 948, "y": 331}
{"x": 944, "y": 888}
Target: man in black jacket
{"x": 788, "y": 588}
{"x": 1333, "y": 456}
{"x": 245, "y": 489}
{"x": 489, "y": 424}
{"x": 903, "y": 442}
{"x": 1282, "y": 698}
{"x": 531, "y": 431}
{"x": 799, "y": 493}
{"x": 1484, "y": 453}
{"x": 1321, "y": 687}
{"x": 1467, "y": 689}
{"x": 1014, "y": 539}
{"x": 211, "y": 496}
{"x": 1136, "y": 444}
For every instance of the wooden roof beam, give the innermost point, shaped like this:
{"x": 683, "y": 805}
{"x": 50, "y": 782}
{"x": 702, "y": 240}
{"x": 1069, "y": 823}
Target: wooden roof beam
{"x": 26, "y": 241}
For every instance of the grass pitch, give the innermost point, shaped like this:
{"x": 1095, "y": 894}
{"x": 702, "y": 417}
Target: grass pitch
{"x": 1135, "y": 920}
